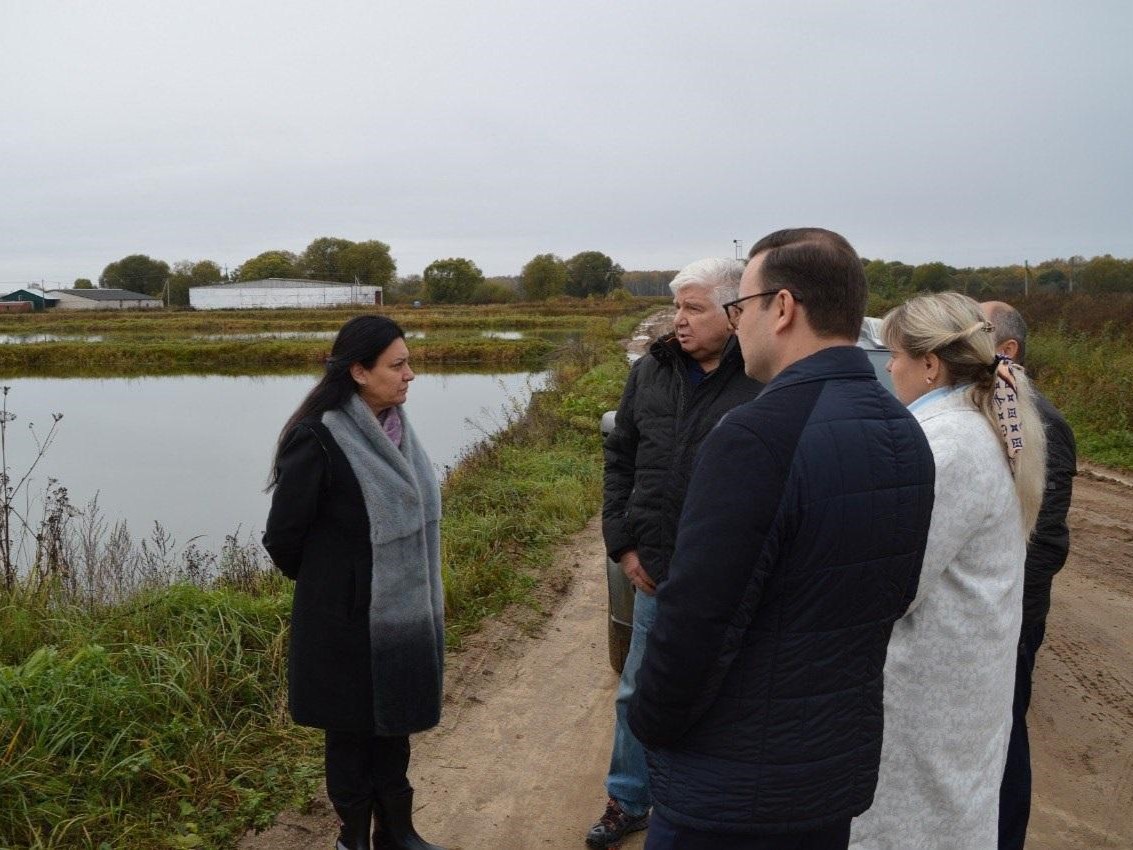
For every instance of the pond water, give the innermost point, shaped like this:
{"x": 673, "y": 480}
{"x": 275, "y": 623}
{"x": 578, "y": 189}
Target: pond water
{"x": 25, "y": 339}
{"x": 267, "y": 335}
{"x": 193, "y": 452}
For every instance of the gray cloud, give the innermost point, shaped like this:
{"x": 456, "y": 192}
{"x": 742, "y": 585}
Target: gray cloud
{"x": 497, "y": 130}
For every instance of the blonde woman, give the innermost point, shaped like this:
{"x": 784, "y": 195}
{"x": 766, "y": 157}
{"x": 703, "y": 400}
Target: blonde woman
{"x": 949, "y": 673}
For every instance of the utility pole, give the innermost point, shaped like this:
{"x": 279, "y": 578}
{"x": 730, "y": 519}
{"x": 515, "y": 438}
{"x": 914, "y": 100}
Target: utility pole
{"x": 737, "y": 243}
{"x": 1026, "y": 278}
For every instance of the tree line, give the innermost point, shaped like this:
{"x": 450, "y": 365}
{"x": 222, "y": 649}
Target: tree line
{"x": 458, "y": 280}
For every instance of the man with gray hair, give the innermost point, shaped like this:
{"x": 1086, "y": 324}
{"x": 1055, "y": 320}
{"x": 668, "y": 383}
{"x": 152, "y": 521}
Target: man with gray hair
{"x": 675, "y": 394}
{"x": 1046, "y": 554}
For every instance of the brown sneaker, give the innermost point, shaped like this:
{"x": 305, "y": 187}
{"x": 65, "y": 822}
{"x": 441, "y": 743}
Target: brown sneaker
{"x": 615, "y": 825}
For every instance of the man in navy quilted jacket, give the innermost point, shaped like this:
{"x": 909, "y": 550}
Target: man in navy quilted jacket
{"x": 759, "y": 700}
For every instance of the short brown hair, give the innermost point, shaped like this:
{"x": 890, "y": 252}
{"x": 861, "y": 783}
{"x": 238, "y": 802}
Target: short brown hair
{"x": 823, "y": 271}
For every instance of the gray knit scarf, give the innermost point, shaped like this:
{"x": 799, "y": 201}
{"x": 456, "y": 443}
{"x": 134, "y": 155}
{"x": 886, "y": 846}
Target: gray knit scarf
{"x": 403, "y": 502}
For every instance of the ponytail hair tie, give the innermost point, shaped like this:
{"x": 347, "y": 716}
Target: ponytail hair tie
{"x": 1005, "y": 398}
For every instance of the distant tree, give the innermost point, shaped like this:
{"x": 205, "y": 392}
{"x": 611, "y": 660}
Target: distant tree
{"x": 592, "y": 273}
{"x": 186, "y": 274}
{"x": 492, "y": 291}
{"x": 1105, "y": 274}
{"x": 406, "y": 289}
{"x": 1004, "y": 281}
{"x": 648, "y": 282}
{"x": 321, "y": 260}
{"x": 83, "y": 283}
{"x": 544, "y": 276}
{"x": 138, "y": 273}
{"x": 269, "y": 264}
{"x": 367, "y": 262}
{"x": 878, "y": 278}
{"x": 452, "y": 281}
{"x": 1053, "y": 280}
{"x": 971, "y": 282}
{"x": 931, "y": 277}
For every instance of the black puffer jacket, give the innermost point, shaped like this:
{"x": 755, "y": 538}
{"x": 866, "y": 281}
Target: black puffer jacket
{"x": 1046, "y": 553}
{"x": 660, "y": 424}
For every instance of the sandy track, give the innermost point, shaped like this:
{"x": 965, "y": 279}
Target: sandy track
{"x": 1081, "y": 717}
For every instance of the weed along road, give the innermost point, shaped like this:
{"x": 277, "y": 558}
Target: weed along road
{"x": 520, "y": 757}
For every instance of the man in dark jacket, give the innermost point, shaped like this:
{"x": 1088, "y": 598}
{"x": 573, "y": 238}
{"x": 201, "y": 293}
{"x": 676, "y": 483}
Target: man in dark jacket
{"x": 1046, "y": 553}
{"x": 759, "y": 700}
{"x": 673, "y": 397}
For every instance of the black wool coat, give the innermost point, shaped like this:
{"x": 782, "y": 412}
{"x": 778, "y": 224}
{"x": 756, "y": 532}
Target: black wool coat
{"x": 318, "y": 533}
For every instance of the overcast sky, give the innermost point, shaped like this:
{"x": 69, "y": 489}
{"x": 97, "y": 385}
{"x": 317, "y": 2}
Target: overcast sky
{"x": 657, "y": 132}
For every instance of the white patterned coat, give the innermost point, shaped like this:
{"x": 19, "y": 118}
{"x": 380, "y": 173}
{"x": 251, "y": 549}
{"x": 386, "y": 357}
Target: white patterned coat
{"x": 950, "y": 670}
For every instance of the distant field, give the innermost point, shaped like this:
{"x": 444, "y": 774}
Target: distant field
{"x": 116, "y": 343}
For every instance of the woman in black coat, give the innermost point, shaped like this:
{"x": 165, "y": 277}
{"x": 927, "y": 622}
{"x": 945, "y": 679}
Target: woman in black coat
{"x": 355, "y": 522}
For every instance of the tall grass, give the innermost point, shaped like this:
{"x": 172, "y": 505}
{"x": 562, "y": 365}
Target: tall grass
{"x": 144, "y": 706}
{"x": 1090, "y": 379}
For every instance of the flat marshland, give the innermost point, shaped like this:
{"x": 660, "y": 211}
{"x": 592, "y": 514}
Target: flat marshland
{"x": 130, "y": 343}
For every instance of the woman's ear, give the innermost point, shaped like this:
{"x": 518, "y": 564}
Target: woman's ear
{"x": 932, "y": 368}
{"x": 358, "y": 373}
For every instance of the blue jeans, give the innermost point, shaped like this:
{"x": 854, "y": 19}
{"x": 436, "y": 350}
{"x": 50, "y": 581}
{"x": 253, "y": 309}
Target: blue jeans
{"x": 628, "y": 780}
{"x": 1015, "y": 792}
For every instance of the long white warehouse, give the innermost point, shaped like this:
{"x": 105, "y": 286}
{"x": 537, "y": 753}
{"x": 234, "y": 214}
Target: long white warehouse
{"x": 275, "y": 292}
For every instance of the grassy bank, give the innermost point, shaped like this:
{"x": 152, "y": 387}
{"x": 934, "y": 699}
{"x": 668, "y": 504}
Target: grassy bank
{"x": 1090, "y": 379}
{"x": 240, "y": 357}
{"x": 161, "y": 721}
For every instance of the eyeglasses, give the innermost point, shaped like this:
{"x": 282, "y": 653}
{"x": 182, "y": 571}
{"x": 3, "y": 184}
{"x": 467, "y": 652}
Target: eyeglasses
{"x": 733, "y": 308}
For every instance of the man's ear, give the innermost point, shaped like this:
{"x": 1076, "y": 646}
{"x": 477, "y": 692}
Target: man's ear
{"x": 787, "y": 308}
{"x": 1009, "y": 348}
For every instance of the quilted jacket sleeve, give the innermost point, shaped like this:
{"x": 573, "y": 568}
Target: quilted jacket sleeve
{"x": 621, "y": 461}
{"x": 1050, "y": 543}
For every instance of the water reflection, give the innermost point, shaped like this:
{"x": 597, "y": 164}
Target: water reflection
{"x": 193, "y": 452}
{"x": 23, "y": 339}
{"x": 502, "y": 334}
{"x": 267, "y": 335}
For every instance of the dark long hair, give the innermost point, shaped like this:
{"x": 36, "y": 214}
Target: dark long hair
{"x": 361, "y": 340}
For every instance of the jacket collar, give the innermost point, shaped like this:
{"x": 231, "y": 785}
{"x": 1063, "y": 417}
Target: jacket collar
{"x": 957, "y": 399}
{"x": 846, "y": 362}
{"x": 666, "y": 349}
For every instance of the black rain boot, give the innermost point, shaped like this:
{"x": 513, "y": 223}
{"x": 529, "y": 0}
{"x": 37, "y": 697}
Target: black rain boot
{"x": 354, "y": 833}
{"x": 396, "y": 812}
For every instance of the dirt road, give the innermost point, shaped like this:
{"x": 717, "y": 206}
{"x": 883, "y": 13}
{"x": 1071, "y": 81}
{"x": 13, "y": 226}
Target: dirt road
{"x": 1081, "y": 717}
{"x": 520, "y": 758}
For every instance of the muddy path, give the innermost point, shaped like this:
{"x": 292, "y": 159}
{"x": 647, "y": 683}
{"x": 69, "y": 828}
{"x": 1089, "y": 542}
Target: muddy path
{"x": 1081, "y": 717}
{"x": 520, "y": 757}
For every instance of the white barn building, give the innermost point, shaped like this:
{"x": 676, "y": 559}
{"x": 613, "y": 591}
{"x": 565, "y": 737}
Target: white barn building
{"x": 101, "y": 299}
{"x": 280, "y": 292}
